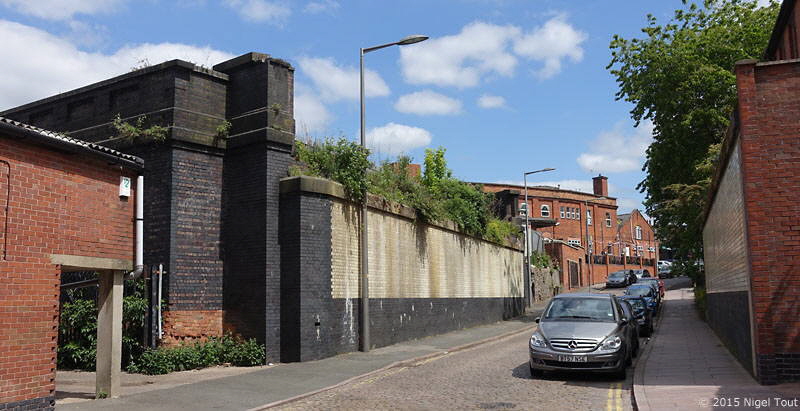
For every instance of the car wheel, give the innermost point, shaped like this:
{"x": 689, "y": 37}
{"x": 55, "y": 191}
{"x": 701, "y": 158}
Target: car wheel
{"x": 622, "y": 372}
{"x": 635, "y": 349}
{"x": 536, "y": 374}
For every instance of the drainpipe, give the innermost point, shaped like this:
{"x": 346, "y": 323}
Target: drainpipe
{"x": 138, "y": 267}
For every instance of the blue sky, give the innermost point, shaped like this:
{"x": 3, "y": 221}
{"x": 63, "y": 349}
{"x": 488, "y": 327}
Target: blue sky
{"x": 506, "y": 86}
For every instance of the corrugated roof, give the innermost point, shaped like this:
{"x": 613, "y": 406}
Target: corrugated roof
{"x": 73, "y": 143}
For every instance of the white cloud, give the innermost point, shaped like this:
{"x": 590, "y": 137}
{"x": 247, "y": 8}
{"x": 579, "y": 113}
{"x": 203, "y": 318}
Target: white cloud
{"x": 485, "y": 49}
{"x": 550, "y": 44}
{"x": 627, "y": 204}
{"x": 38, "y": 64}
{"x": 393, "y": 139}
{"x": 321, "y": 6}
{"x": 259, "y": 11}
{"x": 615, "y": 151}
{"x": 763, "y": 3}
{"x": 310, "y": 114}
{"x": 340, "y": 83}
{"x": 427, "y": 102}
{"x": 489, "y": 101}
{"x": 461, "y": 60}
{"x": 62, "y": 9}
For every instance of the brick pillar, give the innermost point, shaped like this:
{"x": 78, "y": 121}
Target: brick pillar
{"x": 260, "y": 109}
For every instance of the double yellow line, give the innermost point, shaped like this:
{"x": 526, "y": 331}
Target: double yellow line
{"x": 614, "y": 402}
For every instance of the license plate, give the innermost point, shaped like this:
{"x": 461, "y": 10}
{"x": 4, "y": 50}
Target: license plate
{"x": 572, "y": 358}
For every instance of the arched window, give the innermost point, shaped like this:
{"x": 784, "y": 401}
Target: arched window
{"x": 545, "y": 210}
{"x": 638, "y": 232}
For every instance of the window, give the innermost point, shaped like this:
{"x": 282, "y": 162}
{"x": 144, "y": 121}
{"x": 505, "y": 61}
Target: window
{"x": 576, "y": 243}
{"x": 608, "y": 219}
{"x": 651, "y": 249}
{"x": 638, "y": 232}
{"x": 562, "y": 212}
{"x": 588, "y": 217}
{"x": 545, "y": 210}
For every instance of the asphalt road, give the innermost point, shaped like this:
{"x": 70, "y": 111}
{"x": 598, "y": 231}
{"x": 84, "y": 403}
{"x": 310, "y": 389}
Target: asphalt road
{"x": 490, "y": 376}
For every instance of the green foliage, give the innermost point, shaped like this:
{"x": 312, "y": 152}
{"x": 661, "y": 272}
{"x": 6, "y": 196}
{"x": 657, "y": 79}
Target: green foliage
{"x": 437, "y": 196}
{"x": 679, "y": 76}
{"x": 340, "y": 160}
{"x": 223, "y": 129}
{"x": 541, "y": 260}
{"x": 393, "y": 182}
{"x": 214, "y": 351}
{"x": 498, "y": 231}
{"x": 700, "y": 301}
{"x": 77, "y": 340}
{"x": 435, "y": 168}
{"x": 132, "y": 132}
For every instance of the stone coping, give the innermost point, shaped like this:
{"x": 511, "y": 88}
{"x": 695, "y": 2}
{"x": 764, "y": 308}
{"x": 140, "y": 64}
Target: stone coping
{"x": 79, "y": 262}
{"x": 318, "y": 185}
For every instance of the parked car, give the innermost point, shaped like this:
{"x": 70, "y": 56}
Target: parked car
{"x": 643, "y": 315}
{"x": 659, "y": 284}
{"x": 665, "y": 272}
{"x": 641, "y": 273}
{"x": 582, "y": 332}
{"x": 622, "y": 278}
{"x": 647, "y": 291}
{"x": 627, "y": 311}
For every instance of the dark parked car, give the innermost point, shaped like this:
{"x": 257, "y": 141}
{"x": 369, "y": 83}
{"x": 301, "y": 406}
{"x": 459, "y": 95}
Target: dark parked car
{"x": 582, "y": 332}
{"x": 641, "y": 273}
{"x": 657, "y": 282}
{"x": 622, "y": 278}
{"x": 627, "y": 311}
{"x": 644, "y": 317}
{"x": 649, "y": 293}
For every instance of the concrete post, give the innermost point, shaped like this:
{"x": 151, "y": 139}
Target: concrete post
{"x": 109, "y": 334}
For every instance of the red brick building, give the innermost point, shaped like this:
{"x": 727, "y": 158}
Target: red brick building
{"x": 60, "y": 208}
{"x": 752, "y": 230}
{"x": 583, "y": 227}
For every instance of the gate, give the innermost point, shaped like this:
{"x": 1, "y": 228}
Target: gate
{"x": 574, "y": 275}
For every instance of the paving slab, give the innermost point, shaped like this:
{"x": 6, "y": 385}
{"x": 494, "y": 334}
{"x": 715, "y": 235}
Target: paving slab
{"x": 686, "y": 367}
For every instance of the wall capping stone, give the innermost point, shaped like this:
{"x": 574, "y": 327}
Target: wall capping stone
{"x": 318, "y": 185}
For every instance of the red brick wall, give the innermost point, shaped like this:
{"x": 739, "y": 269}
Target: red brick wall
{"x": 59, "y": 204}
{"x": 190, "y": 325}
{"x": 627, "y": 235}
{"x": 769, "y": 113}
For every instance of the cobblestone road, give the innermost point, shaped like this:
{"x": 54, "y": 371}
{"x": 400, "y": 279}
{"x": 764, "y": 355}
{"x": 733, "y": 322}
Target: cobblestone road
{"x": 490, "y": 376}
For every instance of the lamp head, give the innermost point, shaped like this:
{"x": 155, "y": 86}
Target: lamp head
{"x": 415, "y": 38}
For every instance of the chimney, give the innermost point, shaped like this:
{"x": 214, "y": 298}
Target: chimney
{"x": 600, "y": 185}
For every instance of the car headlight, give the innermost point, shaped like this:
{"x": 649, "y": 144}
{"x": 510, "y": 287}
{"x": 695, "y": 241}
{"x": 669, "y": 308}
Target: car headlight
{"x": 538, "y": 341}
{"x": 611, "y": 343}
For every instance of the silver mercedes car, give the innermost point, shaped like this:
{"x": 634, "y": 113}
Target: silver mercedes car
{"x": 582, "y": 332}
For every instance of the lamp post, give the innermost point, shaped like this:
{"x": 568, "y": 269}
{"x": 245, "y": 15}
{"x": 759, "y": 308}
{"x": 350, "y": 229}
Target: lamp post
{"x": 364, "y": 306}
{"x": 527, "y": 236}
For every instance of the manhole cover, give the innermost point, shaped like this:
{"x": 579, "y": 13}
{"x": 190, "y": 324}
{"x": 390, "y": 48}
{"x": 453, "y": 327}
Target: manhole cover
{"x": 496, "y": 405}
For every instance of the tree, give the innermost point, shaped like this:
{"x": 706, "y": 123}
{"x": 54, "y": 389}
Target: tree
{"x": 679, "y": 76}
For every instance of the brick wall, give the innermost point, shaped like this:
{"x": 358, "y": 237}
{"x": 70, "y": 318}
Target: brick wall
{"x": 59, "y": 204}
{"x": 769, "y": 114}
{"x": 424, "y": 279}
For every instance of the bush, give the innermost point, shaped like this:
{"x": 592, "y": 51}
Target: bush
{"x": 214, "y": 351}
{"x": 700, "y": 301}
{"x": 77, "y": 328}
{"x": 340, "y": 160}
{"x": 541, "y": 260}
{"x": 498, "y": 231}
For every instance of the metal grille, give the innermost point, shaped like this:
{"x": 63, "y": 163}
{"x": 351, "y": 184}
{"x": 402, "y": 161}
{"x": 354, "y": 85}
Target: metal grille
{"x": 580, "y": 344}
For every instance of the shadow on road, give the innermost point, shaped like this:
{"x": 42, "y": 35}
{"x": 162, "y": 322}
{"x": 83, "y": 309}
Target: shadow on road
{"x": 580, "y": 378}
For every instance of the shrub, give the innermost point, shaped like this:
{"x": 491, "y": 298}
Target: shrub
{"x": 700, "y": 301}
{"x": 498, "y": 231}
{"x": 214, "y": 351}
{"x": 541, "y": 260}
{"x": 340, "y": 160}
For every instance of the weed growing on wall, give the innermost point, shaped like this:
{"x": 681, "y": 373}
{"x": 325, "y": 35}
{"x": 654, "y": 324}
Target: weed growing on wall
{"x": 131, "y": 132}
{"x": 436, "y": 195}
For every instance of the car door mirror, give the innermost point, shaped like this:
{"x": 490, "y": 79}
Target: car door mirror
{"x": 623, "y": 321}
{"x": 537, "y": 319}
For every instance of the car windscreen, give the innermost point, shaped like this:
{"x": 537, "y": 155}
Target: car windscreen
{"x": 592, "y": 309}
{"x": 617, "y": 274}
{"x": 639, "y": 291}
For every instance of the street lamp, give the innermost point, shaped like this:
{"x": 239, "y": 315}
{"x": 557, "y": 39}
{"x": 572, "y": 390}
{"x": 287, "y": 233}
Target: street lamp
{"x": 529, "y": 301}
{"x": 364, "y": 310}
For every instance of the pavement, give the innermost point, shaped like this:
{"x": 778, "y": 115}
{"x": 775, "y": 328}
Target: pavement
{"x": 277, "y": 384}
{"x": 686, "y": 367}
